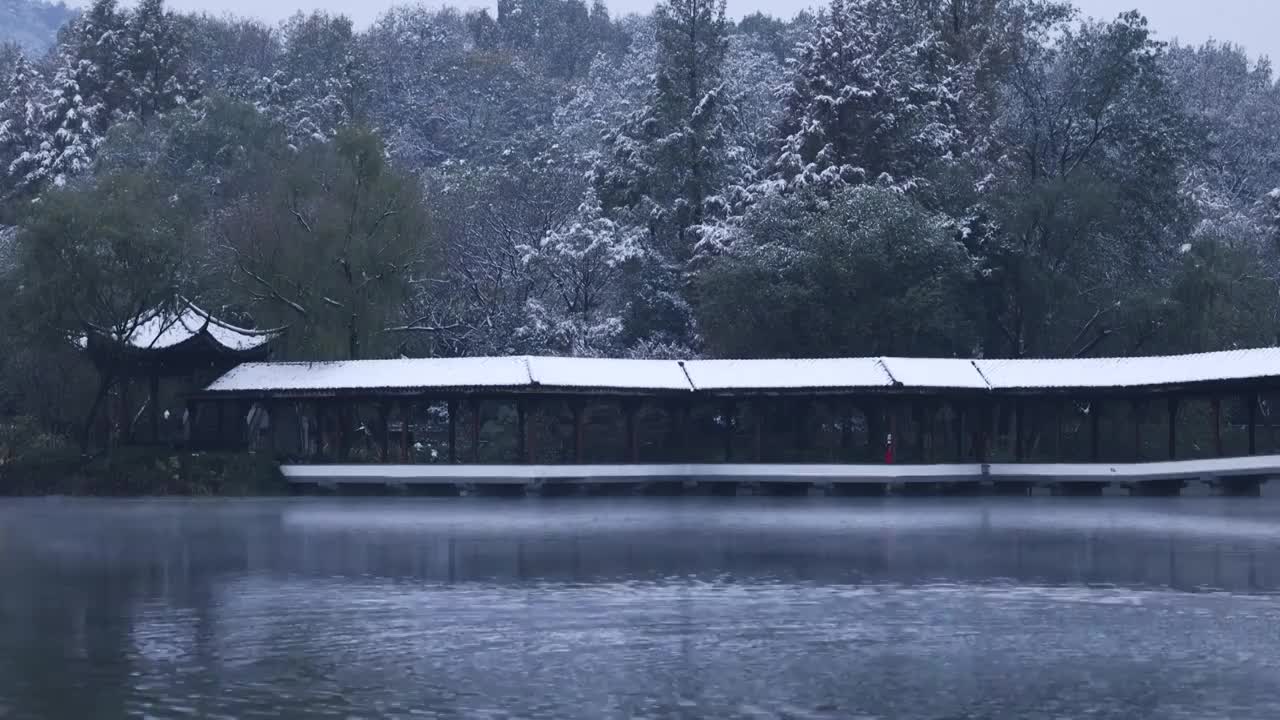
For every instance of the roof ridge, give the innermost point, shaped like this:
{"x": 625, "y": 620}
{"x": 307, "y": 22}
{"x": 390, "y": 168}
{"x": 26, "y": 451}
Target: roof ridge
{"x": 880, "y": 360}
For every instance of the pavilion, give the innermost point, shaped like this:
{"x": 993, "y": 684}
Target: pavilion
{"x": 179, "y": 342}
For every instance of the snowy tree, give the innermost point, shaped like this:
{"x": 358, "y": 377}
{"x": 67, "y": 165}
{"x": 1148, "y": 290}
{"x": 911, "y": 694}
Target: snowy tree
{"x": 88, "y": 91}
{"x": 20, "y": 119}
{"x": 858, "y": 271}
{"x": 1082, "y": 212}
{"x": 579, "y": 310}
{"x": 1235, "y": 105}
{"x": 489, "y": 216}
{"x": 871, "y": 99}
{"x": 157, "y": 62}
{"x": 665, "y": 160}
{"x": 319, "y": 84}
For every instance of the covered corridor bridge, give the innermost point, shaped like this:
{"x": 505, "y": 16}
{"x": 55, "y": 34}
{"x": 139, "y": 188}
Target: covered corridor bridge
{"x": 823, "y": 420}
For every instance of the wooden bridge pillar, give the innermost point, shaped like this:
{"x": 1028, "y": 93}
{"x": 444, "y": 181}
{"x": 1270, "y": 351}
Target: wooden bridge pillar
{"x": 577, "y": 407}
{"x": 384, "y": 431}
{"x": 1251, "y": 401}
{"x": 846, "y": 431}
{"x": 758, "y": 411}
{"x": 1019, "y": 417}
{"x": 729, "y": 411}
{"x": 920, "y": 411}
{"x": 524, "y": 441}
{"x": 475, "y": 430}
{"x": 630, "y": 408}
{"x": 1136, "y": 407}
{"x": 1173, "y": 427}
{"x": 957, "y": 412}
{"x": 404, "y": 410}
{"x": 452, "y": 409}
{"x": 1095, "y": 419}
{"x": 1215, "y": 406}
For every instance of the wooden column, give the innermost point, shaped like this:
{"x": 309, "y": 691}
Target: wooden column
{"x": 344, "y": 430}
{"x": 758, "y": 411}
{"x": 577, "y": 407}
{"x": 452, "y": 409}
{"x": 683, "y": 415}
{"x": 1251, "y": 402}
{"x": 1173, "y": 427}
{"x": 189, "y": 426}
{"x": 1057, "y": 431}
{"x": 522, "y": 432}
{"x": 404, "y": 411}
{"x": 1136, "y": 408}
{"x": 1215, "y": 406}
{"x": 154, "y": 403}
{"x": 803, "y": 412}
{"x": 729, "y": 410}
{"x": 1095, "y": 415}
{"x": 1019, "y": 417}
{"x": 629, "y": 410}
{"x": 272, "y": 409}
{"x": 920, "y": 411}
{"x": 475, "y": 430}
{"x": 986, "y": 420}
{"x": 957, "y": 411}
{"x": 220, "y": 435}
{"x": 875, "y": 429}
{"x": 846, "y": 431}
{"x": 384, "y": 431}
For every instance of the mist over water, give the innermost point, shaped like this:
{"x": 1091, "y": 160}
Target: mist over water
{"x": 644, "y": 608}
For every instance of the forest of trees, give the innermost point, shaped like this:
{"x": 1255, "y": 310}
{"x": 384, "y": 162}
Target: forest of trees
{"x": 998, "y": 178}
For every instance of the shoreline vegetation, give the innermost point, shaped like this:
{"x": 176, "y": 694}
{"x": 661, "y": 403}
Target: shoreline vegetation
{"x": 140, "y": 471}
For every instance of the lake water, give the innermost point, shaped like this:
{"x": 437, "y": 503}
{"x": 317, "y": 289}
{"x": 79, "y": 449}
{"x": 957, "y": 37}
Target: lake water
{"x": 639, "y": 608}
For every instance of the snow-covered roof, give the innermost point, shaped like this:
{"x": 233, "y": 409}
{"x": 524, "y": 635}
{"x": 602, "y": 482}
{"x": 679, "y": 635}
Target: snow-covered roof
{"x": 607, "y": 373}
{"x": 832, "y": 374}
{"x": 826, "y": 374}
{"x": 169, "y": 327}
{"x": 401, "y": 374}
{"x": 931, "y": 373}
{"x": 1131, "y": 372}
{"x": 481, "y": 372}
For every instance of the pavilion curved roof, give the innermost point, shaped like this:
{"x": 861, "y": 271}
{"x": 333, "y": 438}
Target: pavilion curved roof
{"x": 180, "y": 330}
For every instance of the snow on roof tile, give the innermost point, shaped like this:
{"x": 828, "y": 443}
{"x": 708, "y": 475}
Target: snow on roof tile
{"x": 831, "y": 373}
{"x": 1131, "y": 371}
{"x": 608, "y": 373}
{"x": 165, "y": 328}
{"x": 931, "y": 373}
{"x": 772, "y": 374}
{"x": 402, "y": 374}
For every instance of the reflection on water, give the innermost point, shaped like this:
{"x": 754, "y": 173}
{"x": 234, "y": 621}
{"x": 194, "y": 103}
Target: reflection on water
{"x": 679, "y": 608}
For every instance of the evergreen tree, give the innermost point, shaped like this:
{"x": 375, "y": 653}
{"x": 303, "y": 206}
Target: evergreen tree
{"x": 870, "y": 100}
{"x": 157, "y": 62}
{"x": 666, "y": 159}
{"x": 19, "y": 121}
{"x": 89, "y": 89}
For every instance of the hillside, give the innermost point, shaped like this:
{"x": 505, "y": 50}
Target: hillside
{"x": 31, "y": 23}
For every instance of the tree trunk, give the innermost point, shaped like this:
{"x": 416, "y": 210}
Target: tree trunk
{"x": 104, "y": 387}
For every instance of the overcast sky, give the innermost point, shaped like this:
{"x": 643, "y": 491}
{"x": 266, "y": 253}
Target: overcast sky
{"x": 1254, "y": 24}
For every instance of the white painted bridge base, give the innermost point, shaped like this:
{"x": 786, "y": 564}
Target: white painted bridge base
{"x": 1255, "y": 467}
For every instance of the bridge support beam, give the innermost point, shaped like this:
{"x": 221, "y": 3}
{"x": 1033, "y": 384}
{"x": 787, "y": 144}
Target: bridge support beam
{"x": 1157, "y": 488}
